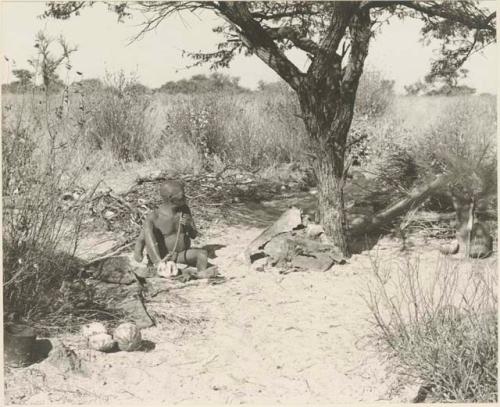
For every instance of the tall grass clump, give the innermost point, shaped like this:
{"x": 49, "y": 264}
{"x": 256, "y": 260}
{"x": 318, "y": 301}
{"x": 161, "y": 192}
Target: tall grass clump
{"x": 41, "y": 229}
{"x": 441, "y": 325}
{"x": 120, "y": 119}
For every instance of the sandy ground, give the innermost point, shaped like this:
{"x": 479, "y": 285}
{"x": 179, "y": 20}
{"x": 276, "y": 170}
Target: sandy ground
{"x": 256, "y": 338}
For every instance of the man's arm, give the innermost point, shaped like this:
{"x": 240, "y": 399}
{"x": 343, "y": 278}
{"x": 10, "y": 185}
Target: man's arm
{"x": 190, "y": 226}
{"x": 139, "y": 247}
{"x": 150, "y": 240}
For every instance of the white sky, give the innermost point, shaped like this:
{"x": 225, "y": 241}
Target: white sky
{"x": 157, "y": 58}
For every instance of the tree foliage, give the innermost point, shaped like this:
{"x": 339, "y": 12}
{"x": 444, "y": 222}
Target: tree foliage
{"x": 23, "y": 76}
{"x": 216, "y": 82}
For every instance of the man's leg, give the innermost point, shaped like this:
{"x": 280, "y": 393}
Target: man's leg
{"x": 197, "y": 258}
{"x": 194, "y": 257}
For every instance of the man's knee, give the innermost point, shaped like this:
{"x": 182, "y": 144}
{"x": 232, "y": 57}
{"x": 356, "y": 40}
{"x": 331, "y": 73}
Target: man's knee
{"x": 203, "y": 255}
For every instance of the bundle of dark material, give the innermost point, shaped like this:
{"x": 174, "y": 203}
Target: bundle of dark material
{"x": 293, "y": 243}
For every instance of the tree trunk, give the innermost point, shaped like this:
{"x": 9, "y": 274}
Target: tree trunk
{"x": 331, "y": 205}
{"x": 328, "y": 123}
{"x": 326, "y": 99}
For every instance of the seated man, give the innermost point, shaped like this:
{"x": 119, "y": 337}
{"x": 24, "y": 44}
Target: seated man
{"x": 167, "y": 234}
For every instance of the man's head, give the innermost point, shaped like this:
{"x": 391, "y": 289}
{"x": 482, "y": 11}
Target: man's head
{"x": 172, "y": 192}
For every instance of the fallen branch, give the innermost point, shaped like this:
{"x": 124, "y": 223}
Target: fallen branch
{"x": 113, "y": 253}
{"x": 414, "y": 199}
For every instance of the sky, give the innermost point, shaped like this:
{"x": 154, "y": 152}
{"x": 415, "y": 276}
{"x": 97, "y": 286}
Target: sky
{"x": 158, "y": 57}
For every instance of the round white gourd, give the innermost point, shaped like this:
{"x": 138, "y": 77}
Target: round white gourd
{"x": 168, "y": 269}
{"x": 128, "y": 336}
{"x": 94, "y": 328}
{"x": 101, "y": 342}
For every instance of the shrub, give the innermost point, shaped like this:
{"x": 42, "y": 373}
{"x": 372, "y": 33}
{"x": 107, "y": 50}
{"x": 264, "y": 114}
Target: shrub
{"x": 119, "y": 120}
{"x": 40, "y": 233}
{"x": 374, "y": 97}
{"x": 246, "y": 130}
{"x": 37, "y": 225}
{"x": 442, "y": 327}
{"x": 197, "y": 122}
{"x": 420, "y": 137}
{"x": 463, "y": 143}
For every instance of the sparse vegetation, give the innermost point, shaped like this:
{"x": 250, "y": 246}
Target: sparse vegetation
{"x": 83, "y": 159}
{"x": 445, "y": 339}
{"x": 118, "y": 120}
{"x": 442, "y": 326}
{"x": 41, "y": 226}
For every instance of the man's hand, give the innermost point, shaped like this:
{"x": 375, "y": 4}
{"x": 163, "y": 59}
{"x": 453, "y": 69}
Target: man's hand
{"x": 184, "y": 219}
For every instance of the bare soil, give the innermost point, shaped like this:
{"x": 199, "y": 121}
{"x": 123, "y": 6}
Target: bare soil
{"x": 255, "y": 338}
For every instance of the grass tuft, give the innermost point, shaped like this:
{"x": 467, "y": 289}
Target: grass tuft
{"x": 441, "y": 325}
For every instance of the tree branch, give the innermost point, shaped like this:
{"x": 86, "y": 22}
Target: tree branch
{"x": 475, "y": 20}
{"x": 276, "y": 16}
{"x": 255, "y": 37}
{"x": 340, "y": 16}
{"x": 360, "y": 30}
{"x": 293, "y": 35}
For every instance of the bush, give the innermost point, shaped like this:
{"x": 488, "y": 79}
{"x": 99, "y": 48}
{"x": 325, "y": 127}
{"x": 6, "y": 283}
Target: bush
{"x": 119, "y": 120}
{"x": 374, "y": 97}
{"x": 463, "y": 144}
{"x": 246, "y": 130}
{"x": 420, "y": 137}
{"x": 36, "y": 229}
{"x": 201, "y": 84}
{"x": 442, "y": 328}
{"x": 40, "y": 230}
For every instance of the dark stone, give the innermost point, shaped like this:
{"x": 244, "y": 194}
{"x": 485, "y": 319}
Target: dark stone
{"x": 136, "y": 311}
{"x": 116, "y": 269}
{"x": 41, "y": 350}
{"x": 19, "y": 340}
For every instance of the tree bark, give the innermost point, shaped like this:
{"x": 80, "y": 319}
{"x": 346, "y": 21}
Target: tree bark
{"x": 327, "y": 152}
{"x": 331, "y": 204}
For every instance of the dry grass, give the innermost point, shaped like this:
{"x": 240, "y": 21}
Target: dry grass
{"x": 246, "y": 130}
{"x": 441, "y": 324}
{"x": 41, "y": 227}
{"x": 187, "y": 133}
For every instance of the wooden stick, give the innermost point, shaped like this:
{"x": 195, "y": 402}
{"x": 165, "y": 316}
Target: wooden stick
{"x": 106, "y": 256}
